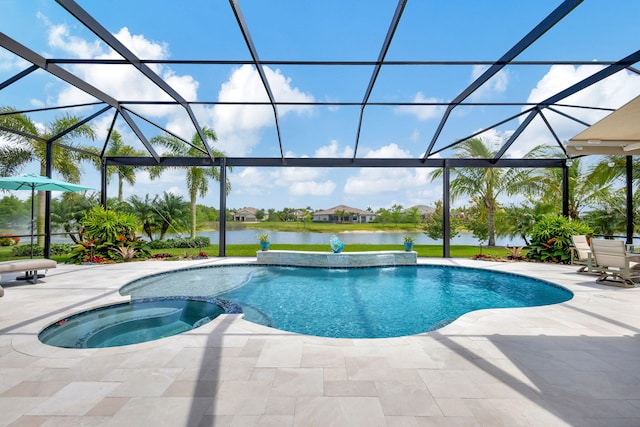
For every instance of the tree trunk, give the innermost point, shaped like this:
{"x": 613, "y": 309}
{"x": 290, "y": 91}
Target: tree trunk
{"x": 120, "y": 188}
{"x": 193, "y": 217}
{"x": 163, "y": 229}
{"x": 147, "y": 229}
{"x": 492, "y": 226}
{"x": 40, "y": 212}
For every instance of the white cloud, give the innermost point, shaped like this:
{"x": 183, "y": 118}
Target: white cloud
{"x": 60, "y": 38}
{"x": 37, "y": 103}
{"x": 388, "y": 151}
{"x": 333, "y": 150}
{"x": 384, "y": 180}
{"x": 378, "y": 180}
{"x": 293, "y": 174}
{"x": 612, "y": 92}
{"x": 294, "y": 181}
{"x": 10, "y": 63}
{"x": 312, "y": 188}
{"x": 497, "y": 84}
{"x": 237, "y": 126}
{"x": 494, "y": 138}
{"x": 422, "y": 112}
{"x": 122, "y": 81}
{"x": 176, "y": 191}
{"x": 250, "y": 181}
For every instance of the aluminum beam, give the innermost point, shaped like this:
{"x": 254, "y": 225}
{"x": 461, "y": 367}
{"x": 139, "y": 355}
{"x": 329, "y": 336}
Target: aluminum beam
{"x": 92, "y": 24}
{"x": 36, "y": 59}
{"x": 18, "y": 76}
{"x": 376, "y": 70}
{"x": 577, "y": 87}
{"x": 80, "y": 123}
{"x": 546, "y": 24}
{"x": 256, "y": 62}
{"x": 629, "y": 181}
{"x": 313, "y": 162}
{"x": 25, "y": 134}
{"x": 222, "y": 242}
{"x": 446, "y": 210}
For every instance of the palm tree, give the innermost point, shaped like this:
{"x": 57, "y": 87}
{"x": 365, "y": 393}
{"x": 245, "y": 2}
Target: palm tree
{"x": 172, "y": 210}
{"x": 65, "y": 162}
{"x": 12, "y": 159}
{"x": 486, "y": 185}
{"x": 145, "y": 212}
{"x": 588, "y": 186}
{"x": 117, "y": 147}
{"x": 197, "y": 177}
{"x": 68, "y": 210}
{"x": 616, "y": 165}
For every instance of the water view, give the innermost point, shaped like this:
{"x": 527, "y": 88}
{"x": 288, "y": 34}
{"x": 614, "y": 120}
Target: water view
{"x": 374, "y": 238}
{"x": 297, "y": 238}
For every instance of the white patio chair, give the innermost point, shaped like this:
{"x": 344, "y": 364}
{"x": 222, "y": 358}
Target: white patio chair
{"x": 580, "y": 254}
{"x": 613, "y": 262}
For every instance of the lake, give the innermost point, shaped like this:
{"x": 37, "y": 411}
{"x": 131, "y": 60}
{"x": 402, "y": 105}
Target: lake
{"x": 376, "y": 238}
{"x": 298, "y": 238}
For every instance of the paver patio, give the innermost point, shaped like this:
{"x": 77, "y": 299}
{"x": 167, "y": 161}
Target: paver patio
{"x": 570, "y": 364}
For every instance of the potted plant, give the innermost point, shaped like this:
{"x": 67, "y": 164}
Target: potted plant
{"x": 263, "y": 238}
{"x": 408, "y": 243}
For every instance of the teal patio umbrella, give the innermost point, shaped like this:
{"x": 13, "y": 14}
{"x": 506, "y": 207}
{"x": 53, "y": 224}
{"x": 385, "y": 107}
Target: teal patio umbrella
{"x": 36, "y": 182}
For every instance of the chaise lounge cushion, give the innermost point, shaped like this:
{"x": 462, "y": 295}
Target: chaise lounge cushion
{"x": 30, "y": 268}
{"x": 26, "y": 265}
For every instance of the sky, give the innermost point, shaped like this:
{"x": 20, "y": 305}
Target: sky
{"x": 281, "y": 30}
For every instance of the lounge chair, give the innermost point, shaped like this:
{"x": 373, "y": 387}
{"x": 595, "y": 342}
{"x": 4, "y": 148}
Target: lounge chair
{"x": 614, "y": 262}
{"x": 580, "y": 254}
{"x": 29, "y": 266}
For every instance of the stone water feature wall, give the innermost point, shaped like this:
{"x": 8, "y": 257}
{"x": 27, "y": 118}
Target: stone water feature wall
{"x": 343, "y": 259}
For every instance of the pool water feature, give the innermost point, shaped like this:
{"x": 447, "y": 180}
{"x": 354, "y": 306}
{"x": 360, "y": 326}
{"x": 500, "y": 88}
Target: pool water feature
{"x": 372, "y": 302}
{"x": 133, "y": 322}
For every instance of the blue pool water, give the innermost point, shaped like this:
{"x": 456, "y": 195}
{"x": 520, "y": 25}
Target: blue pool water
{"x": 131, "y": 322}
{"x": 357, "y": 302}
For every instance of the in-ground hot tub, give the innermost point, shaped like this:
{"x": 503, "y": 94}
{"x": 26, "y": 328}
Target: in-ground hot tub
{"x": 134, "y": 322}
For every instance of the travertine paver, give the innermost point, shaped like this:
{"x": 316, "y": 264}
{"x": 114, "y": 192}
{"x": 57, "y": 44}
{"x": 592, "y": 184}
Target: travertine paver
{"x": 569, "y": 364}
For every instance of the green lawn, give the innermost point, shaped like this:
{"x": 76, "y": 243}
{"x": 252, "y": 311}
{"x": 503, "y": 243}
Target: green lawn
{"x": 249, "y": 250}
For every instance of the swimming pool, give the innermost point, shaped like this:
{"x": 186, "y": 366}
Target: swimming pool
{"x": 372, "y": 302}
{"x": 133, "y": 322}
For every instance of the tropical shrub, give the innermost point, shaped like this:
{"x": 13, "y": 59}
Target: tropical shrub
{"x": 25, "y": 250}
{"x": 551, "y": 238}
{"x": 197, "y": 242}
{"x": 108, "y": 235}
{"x": 61, "y": 248}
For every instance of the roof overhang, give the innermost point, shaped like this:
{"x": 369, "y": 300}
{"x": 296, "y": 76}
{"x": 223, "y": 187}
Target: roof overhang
{"x": 616, "y": 134}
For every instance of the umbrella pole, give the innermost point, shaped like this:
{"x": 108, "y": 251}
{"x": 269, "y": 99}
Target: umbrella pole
{"x": 31, "y": 228}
